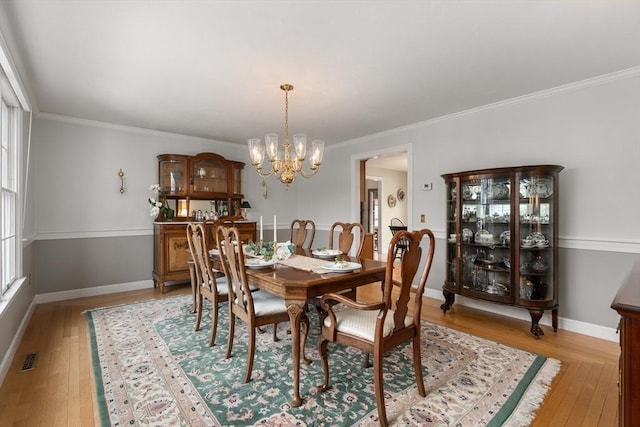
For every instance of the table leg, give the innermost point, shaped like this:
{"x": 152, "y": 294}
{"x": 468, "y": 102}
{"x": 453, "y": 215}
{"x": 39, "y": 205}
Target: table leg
{"x": 295, "y": 309}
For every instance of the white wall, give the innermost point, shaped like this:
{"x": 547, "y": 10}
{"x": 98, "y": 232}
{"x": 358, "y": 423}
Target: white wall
{"x": 77, "y": 188}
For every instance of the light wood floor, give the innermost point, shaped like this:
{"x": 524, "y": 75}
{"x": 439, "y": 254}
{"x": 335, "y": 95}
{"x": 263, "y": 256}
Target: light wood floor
{"x": 60, "y": 390}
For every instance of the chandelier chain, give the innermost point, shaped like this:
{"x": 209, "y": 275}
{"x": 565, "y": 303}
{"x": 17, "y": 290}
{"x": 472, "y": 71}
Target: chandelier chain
{"x": 286, "y": 114}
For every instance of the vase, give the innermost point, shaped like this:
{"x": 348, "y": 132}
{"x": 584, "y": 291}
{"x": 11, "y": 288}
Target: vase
{"x": 161, "y": 216}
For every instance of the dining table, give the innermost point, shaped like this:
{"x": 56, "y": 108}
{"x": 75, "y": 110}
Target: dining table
{"x": 301, "y": 277}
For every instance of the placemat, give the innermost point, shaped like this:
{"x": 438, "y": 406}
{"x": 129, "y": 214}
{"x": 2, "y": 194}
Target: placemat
{"x": 305, "y": 263}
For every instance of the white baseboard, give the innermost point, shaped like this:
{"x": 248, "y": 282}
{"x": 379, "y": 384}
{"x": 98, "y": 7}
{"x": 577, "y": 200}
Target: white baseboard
{"x": 91, "y": 292}
{"x": 571, "y": 325}
{"x": 5, "y": 364}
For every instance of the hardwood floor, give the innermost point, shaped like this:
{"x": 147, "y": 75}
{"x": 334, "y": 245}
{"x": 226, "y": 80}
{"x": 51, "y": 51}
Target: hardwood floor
{"x": 60, "y": 390}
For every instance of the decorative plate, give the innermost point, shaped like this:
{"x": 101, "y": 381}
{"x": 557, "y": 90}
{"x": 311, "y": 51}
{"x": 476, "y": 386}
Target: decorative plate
{"x": 537, "y": 237}
{"x": 258, "y": 263}
{"x": 391, "y": 200}
{"x": 401, "y": 195}
{"x": 341, "y": 267}
{"x": 541, "y": 187}
{"x": 467, "y": 234}
{"x": 326, "y": 253}
{"x": 499, "y": 191}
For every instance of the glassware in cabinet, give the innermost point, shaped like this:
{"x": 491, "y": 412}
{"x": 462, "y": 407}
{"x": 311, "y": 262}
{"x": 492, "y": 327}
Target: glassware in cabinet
{"x": 172, "y": 174}
{"x": 209, "y": 174}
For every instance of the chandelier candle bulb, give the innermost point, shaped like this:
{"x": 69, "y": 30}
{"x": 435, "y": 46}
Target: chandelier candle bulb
{"x": 261, "y": 236}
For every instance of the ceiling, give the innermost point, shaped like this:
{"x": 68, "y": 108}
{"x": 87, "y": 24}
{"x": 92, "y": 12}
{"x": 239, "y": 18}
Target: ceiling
{"x": 213, "y": 69}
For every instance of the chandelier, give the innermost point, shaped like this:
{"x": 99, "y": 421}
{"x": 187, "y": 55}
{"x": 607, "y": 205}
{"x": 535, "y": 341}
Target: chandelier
{"x": 283, "y": 165}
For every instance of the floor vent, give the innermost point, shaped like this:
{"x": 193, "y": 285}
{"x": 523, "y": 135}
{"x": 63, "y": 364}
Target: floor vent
{"x": 29, "y": 362}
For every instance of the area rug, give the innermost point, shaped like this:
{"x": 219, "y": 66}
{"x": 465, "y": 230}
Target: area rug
{"x": 151, "y": 368}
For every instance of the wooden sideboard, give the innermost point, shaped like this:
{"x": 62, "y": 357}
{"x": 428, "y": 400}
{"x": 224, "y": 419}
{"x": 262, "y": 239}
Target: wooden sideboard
{"x": 171, "y": 250}
{"x": 627, "y": 304}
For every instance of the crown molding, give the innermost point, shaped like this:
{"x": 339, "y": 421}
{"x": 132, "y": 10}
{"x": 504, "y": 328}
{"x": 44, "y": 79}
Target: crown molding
{"x": 125, "y": 128}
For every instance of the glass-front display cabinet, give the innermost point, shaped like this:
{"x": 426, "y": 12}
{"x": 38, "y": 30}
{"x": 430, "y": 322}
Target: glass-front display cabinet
{"x": 206, "y": 182}
{"x": 502, "y": 238}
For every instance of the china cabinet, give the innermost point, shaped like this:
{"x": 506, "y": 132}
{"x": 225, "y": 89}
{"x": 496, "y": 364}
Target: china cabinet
{"x": 502, "y": 238}
{"x": 627, "y": 304}
{"x": 196, "y": 187}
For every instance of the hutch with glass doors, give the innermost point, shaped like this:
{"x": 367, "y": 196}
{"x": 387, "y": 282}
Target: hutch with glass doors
{"x": 197, "y": 188}
{"x": 502, "y": 235}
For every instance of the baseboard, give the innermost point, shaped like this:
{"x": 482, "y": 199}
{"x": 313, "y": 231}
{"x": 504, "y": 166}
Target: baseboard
{"x": 5, "y": 364}
{"x": 91, "y": 292}
{"x": 589, "y": 329}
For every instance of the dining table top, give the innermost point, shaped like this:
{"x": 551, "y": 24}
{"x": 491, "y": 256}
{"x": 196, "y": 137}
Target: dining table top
{"x": 290, "y": 282}
{"x": 303, "y": 283}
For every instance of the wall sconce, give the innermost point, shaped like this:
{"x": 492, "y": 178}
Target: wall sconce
{"x": 245, "y": 205}
{"x": 121, "y": 175}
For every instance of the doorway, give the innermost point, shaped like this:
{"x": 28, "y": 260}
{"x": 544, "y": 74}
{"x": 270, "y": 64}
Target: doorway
{"x": 389, "y": 174}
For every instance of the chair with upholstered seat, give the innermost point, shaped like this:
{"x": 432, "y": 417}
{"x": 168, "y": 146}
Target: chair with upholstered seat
{"x": 380, "y": 326}
{"x": 341, "y": 237}
{"x": 254, "y": 308}
{"x": 208, "y": 282}
{"x": 302, "y": 233}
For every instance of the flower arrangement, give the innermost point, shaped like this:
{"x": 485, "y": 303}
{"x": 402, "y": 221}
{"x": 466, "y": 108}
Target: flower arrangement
{"x": 159, "y": 207}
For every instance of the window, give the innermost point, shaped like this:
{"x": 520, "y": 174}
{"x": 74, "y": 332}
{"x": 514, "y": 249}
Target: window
{"x": 9, "y": 126}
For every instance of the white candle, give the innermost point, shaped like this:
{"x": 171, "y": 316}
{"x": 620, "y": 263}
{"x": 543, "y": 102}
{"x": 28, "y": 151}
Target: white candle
{"x": 275, "y": 230}
{"x": 261, "y": 237}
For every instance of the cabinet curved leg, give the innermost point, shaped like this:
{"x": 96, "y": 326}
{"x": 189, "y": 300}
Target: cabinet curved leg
{"x": 449, "y": 298}
{"x": 536, "y": 315}
{"x": 554, "y": 319}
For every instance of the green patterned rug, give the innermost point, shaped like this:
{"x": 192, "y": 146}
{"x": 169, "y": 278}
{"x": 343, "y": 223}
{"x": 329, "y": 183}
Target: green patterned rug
{"x": 151, "y": 368}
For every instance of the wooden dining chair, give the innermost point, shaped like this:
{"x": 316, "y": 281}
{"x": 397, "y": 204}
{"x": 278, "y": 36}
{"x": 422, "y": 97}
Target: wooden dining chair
{"x": 380, "y": 326}
{"x": 342, "y": 235}
{"x": 209, "y": 283}
{"x": 396, "y": 225}
{"x": 254, "y": 308}
{"x": 302, "y": 233}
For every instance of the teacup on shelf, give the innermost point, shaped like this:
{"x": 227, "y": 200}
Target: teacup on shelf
{"x": 527, "y": 243}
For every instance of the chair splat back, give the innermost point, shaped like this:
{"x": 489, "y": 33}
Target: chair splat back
{"x": 346, "y": 236}
{"x": 302, "y": 233}
{"x": 409, "y": 265}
